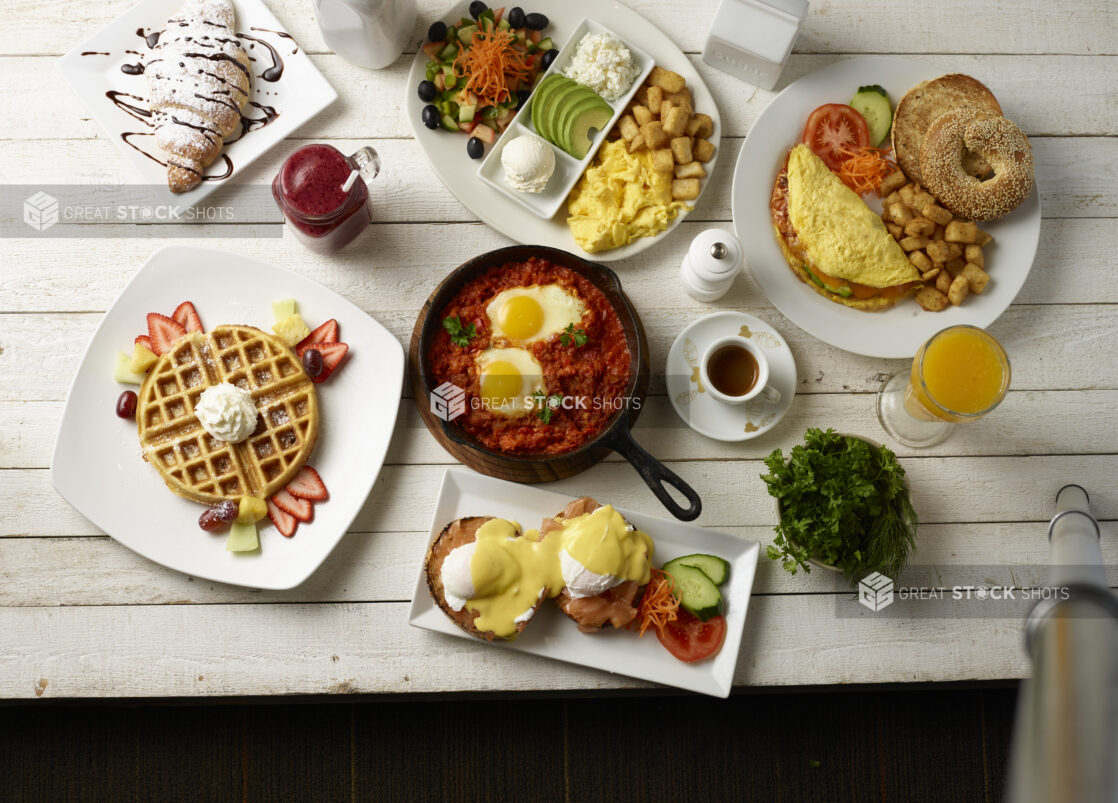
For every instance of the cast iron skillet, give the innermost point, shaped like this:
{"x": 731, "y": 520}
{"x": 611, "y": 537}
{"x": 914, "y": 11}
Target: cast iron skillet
{"x": 615, "y": 436}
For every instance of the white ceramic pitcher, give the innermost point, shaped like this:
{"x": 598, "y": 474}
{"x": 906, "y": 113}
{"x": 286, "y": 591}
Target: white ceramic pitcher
{"x": 368, "y": 33}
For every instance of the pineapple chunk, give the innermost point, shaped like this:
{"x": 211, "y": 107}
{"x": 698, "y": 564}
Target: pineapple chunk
{"x": 123, "y": 373}
{"x": 251, "y": 510}
{"x": 242, "y": 538}
{"x": 284, "y": 308}
{"x": 143, "y": 358}
{"x": 292, "y": 329}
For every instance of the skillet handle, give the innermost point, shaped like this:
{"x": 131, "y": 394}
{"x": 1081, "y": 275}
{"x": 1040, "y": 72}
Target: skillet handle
{"x": 656, "y": 475}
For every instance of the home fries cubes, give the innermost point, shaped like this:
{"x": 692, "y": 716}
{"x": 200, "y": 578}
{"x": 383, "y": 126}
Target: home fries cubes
{"x": 662, "y": 119}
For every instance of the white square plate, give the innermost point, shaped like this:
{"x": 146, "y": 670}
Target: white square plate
{"x": 553, "y": 635}
{"x": 299, "y": 94}
{"x": 97, "y": 465}
{"x": 568, "y": 169}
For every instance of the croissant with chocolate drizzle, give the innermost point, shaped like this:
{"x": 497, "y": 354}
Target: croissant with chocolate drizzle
{"x": 199, "y": 81}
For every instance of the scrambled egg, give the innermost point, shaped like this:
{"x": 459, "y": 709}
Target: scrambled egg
{"x": 840, "y": 234}
{"x": 619, "y": 198}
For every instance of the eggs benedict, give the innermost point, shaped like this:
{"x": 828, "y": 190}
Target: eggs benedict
{"x": 832, "y": 241}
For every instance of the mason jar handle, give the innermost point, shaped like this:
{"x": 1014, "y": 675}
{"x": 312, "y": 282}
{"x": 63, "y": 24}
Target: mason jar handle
{"x": 368, "y": 163}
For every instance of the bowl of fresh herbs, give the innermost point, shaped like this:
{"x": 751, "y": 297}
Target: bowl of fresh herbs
{"x": 842, "y": 504}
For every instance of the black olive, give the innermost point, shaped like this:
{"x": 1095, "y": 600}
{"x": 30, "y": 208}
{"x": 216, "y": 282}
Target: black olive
{"x": 427, "y": 90}
{"x": 548, "y": 57}
{"x": 522, "y": 98}
{"x": 516, "y": 17}
{"x": 430, "y": 116}
{"x": 476, "y": 8}
{"x": 437, "y": 31}
{"x": 475, "y": 148}
{"x": 537, "y": 22}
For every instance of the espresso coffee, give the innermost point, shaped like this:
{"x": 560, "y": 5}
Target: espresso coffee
{"x": 732, "y": 370}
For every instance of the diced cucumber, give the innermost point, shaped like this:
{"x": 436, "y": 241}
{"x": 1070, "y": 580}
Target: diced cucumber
{"x": 714, "y": 567}
{"x": 489, "y": 112}
{"x": 873, "y": 103}
{"x": 466, "y": 113}
{"x": 242, "y": 537}
{"x": 449, "y": 52}
{"x": 503, "y": 25}
{"x": 466, "y": 34}
{"x": 449, "y": 123}
{"x": 696, "y": 592}
{"x": 433, "y": 68}
{"x": 546, "y": 44}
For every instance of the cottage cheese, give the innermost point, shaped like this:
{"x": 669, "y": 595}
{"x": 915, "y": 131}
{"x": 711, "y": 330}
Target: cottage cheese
{"x": 603, "y": 63}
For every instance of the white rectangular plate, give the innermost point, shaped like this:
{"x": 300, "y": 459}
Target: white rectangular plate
{"x": 299, "y": 94}
{"x": 97, "y": 465}
{"x": 568, "y": 170}
{"x": 553, "y": 635}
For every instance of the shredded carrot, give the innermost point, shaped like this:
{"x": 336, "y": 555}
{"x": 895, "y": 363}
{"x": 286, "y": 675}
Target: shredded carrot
{"x": 490, "y": 62}
{"x": 659, "y": 606}
{"x": 864, "y": 170}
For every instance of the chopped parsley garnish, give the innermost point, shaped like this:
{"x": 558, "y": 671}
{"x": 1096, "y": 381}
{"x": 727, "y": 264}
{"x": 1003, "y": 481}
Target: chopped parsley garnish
{"x": 843, "y": 502}
{"x": 546, "y": 406}
{"x": 459, "y": 335}
{"x": 572, "y": 335}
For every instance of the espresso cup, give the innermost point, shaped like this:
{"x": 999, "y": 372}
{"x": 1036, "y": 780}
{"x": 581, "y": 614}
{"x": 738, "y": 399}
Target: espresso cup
{"x": 737, "y": 375}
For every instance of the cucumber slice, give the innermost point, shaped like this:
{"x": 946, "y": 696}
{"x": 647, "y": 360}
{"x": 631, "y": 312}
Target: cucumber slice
{"x": 696, "y": 592}
{"x": 714, "y": 567}
{"x": 873, "y": 104}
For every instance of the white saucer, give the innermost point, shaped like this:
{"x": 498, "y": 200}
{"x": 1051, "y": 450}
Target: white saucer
{"x": 725, "y": 422}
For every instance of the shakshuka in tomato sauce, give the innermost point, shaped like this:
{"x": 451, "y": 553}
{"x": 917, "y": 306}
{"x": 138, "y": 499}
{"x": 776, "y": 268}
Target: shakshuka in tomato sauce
{"x": 542, "y": 335}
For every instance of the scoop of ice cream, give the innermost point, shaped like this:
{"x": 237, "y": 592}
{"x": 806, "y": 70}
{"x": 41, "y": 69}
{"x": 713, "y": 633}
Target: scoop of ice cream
{"x": 528, "y": 162}
{"x": 226, "y": 412}
{"x": 581, "y": 582}
{"x": 458, "y": 582}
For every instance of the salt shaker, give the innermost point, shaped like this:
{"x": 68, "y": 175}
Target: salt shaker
{"x": 368, "y": 33}
{"x": 712, "y": 262}
{"x": 751, "y": 39}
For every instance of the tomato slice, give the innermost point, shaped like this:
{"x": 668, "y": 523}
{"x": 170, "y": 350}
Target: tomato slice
{"x": 689, "y": 638}
{"x": 835, "y": 131}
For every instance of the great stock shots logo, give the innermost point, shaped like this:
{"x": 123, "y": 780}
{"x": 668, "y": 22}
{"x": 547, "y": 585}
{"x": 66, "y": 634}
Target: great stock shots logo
{"x": 448, "y": 401}
{"x": 40, "y": 211}
{"x": 875, "y": 591}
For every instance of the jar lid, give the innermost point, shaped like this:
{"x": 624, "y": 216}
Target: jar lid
{"x": 715, "y": 255}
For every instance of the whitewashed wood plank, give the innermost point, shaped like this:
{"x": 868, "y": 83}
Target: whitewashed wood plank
{"x": 382, "y": 567}
{"x": 1077, "y": 176}
{"x": 371, "y": 104}
{"x": 944, "y": 490}
{"x": 834, "y": 26}
{"x": 1027, "y": 423}
{"x": 1068, "y": 347}
{"x": 1075, "y": 264}
{"x": 354, "y": 648}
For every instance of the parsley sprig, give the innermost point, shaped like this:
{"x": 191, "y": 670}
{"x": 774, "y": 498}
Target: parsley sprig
{"x": 572, "y": 335}
{"x": 843, "y": 502}
{"x": 459, "y": 335}
{"x": 544, "y": 405}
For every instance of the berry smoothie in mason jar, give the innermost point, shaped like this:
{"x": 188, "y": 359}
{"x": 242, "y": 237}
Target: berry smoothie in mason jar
{"x": 324, "y": 195}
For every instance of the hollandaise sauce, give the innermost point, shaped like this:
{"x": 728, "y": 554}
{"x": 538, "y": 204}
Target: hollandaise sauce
{"x": 512, "y": 573}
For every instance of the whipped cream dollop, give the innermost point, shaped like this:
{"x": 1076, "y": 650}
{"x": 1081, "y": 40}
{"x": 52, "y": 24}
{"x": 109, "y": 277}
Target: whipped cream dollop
{"x": 227, "y": 412}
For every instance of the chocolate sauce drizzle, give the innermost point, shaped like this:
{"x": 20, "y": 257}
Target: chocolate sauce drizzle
{"x": 97, "y": 52}
{"x": 281, "y": 35}
{"x": 275, "y": 72}
{"x": 228, "y": 162}
{"x": 139, "y": 112}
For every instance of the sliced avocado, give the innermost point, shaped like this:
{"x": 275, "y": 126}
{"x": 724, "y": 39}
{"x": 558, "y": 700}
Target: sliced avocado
{"x": 838, "y": 291}
{"x": 593, "y": 116}
{"x": 541, "y": 98}
{"x": 573, "y": 102}
{"x": 558, "y": 102}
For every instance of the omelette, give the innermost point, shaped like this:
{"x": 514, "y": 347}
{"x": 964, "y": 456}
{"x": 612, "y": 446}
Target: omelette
{"x": 834, "y": 242}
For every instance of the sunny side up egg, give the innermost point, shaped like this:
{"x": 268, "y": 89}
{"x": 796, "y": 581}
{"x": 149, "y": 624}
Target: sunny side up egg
{"x": 531, "y": 314}
{"x": 509, "y": 379}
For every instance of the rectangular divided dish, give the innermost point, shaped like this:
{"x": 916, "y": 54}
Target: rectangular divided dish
{"x": 568, "y": 170}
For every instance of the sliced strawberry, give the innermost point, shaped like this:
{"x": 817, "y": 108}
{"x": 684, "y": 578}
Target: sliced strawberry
{"x": 285, "y": 522}
{"x": 332, "y": 356}
{"x": 308, "y": 485}
{"x": 144, "y": 341}
{"x": 326, "y": 333}
{"x": 302, "y": 509}
{"x": 188, "y": 316}
{"x": 164, "y": 332}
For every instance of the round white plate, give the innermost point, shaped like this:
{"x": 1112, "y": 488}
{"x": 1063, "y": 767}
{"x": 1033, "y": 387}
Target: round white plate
{"x": 726, "y": 422}
{"x": 446, "y": 151}
{"x": 97, "y": 465}
{"x": 900, "y": 330}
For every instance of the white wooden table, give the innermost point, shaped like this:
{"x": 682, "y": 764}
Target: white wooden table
{"x": 81, "y": 616}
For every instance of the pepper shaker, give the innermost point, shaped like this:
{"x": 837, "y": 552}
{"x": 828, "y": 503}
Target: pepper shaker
{"x": 712, "y": 262}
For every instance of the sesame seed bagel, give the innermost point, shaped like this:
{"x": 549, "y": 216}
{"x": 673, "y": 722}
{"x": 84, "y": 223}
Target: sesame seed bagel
{"x": 995, "y": 139}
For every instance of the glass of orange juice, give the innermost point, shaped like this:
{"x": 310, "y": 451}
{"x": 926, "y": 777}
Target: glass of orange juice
{"x": 958, "y": 375}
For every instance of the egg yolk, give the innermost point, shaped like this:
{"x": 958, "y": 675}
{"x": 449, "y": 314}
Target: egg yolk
{"x": 521, "y": 317}
{"x": 500, "y": 383}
